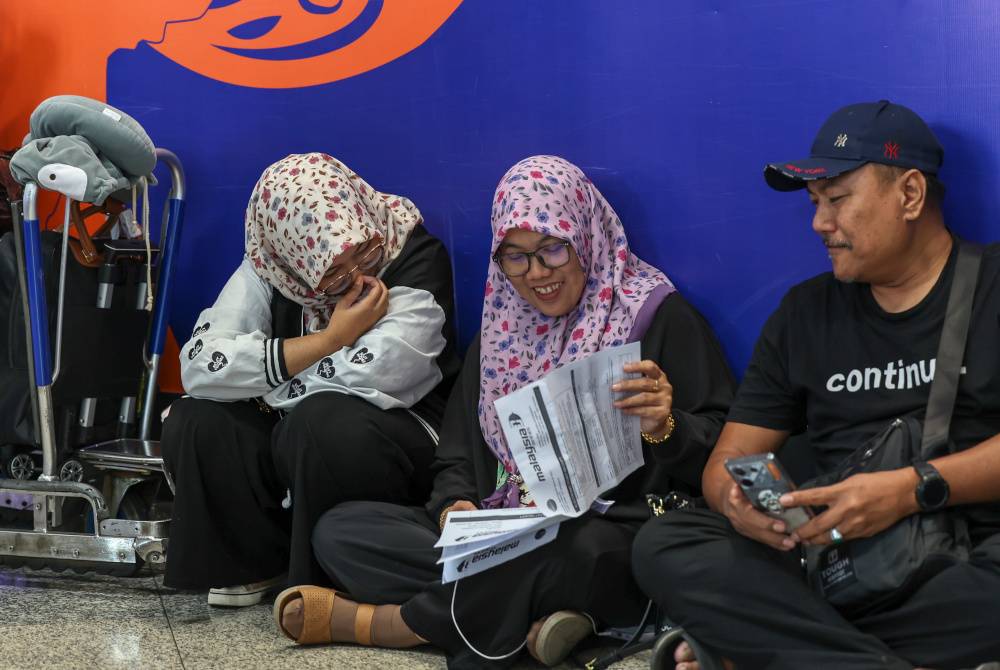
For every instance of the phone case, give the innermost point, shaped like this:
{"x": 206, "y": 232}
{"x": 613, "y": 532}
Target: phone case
{"x": 764, "y": 481}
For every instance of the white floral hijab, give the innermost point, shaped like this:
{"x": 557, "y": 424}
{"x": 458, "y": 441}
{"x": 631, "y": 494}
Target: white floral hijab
{"x": 307, "y": 209}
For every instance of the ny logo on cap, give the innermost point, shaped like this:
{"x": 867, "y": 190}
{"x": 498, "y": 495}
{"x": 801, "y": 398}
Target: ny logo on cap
{"x": 891, "y": 150}
{"x": 841, "y": 141}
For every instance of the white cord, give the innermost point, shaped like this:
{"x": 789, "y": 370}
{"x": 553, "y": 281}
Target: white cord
{"x": 469, "y": 644}
{"x": 149, "y": 250}
{"x": 64, "y": 253}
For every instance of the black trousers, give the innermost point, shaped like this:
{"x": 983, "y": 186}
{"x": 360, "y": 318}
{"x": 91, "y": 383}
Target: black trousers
{"x": 752, "y": 604}
{"x": 233, "y": 463}
{"x": 384, "y": 554}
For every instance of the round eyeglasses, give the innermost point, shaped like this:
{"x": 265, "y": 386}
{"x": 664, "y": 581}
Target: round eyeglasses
{"x": 343, "y": 281}
{"x": 518, "y": 263}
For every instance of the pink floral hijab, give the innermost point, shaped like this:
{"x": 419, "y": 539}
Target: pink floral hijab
{"x": 519, "y": 344}
{"x": 305, "y": 210}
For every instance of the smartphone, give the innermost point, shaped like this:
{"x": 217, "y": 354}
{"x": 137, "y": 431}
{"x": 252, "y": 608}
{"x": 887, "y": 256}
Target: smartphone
{"x": 763, "y": 482}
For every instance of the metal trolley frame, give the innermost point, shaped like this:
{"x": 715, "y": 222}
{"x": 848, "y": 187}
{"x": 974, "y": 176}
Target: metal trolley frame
{"x": 114, "y": 544}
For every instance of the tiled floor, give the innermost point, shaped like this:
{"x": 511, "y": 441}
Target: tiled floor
{"x": 64, "y": 620}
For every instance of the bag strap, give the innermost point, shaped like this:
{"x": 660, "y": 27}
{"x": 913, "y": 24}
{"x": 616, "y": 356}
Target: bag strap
{"x": 84, "y": 250}
{"x": 951, "y": 349}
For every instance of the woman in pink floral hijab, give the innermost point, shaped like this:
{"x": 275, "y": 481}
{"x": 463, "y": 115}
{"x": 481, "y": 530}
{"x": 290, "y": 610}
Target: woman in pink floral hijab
{"x": 562, "y": 283}
{"x": 518, "y": 343}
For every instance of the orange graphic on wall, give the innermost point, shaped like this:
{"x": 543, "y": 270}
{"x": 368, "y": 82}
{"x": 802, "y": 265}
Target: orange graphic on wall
{"x": 296, "y": 43}
{"x": 62, "y": 47}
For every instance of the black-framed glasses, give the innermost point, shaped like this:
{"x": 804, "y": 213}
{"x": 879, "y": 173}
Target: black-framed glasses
{"x": 518, "y": 263}
{"x": 343, "y": 281}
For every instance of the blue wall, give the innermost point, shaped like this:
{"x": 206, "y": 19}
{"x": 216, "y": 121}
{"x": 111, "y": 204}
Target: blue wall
{"x": 671, "y": 106}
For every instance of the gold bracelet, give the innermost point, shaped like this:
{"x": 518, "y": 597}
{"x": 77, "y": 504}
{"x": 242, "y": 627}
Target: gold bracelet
{"x": 444, "y": 516}
{"x": 671, "y": 424}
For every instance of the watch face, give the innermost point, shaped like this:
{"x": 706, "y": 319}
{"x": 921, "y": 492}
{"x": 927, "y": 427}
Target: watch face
{"x": 934, "y": 492}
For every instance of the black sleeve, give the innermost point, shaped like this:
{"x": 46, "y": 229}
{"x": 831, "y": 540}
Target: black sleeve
{"x": 767, "y": 397}
{"x": 424, "y": 264}
{"x": 684, "y": 346}
{"x": 461, "y": 442}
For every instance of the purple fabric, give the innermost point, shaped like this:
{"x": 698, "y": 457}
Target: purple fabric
{"x": 508, "y": 495}
{"x": 648, "y": 311}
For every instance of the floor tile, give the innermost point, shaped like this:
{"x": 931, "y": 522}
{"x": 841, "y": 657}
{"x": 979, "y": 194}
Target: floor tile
{"x": 65, "y": 620}
{"x": 90, "y": 645}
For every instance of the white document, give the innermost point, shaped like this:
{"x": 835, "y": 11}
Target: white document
{"x": 486, "y": 524}
{"x": 497, "y": 552}
{"x": 569, "y": 441}
{"x": 462, "y": 539}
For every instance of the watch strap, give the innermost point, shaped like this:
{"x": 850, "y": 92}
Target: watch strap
{"x": 925, "y": 470}
{"x": 928, "y": 473}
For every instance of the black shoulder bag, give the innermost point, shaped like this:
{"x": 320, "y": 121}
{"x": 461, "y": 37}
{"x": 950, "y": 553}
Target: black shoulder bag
{"x": 872, "y": 573}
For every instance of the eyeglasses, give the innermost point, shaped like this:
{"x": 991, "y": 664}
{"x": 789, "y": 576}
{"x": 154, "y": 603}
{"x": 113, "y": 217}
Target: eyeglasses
{"x": 518, "y": 263}
{"x": 343, "y": 281}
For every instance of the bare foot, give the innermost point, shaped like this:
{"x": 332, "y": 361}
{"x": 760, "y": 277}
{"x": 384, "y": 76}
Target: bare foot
{"x": 341, "y": 619}
{"x": 684, "y": 655}
{"x": 388, "y": 628}
{"x": 291, "y": 618}
{"x": 685, "y": 658}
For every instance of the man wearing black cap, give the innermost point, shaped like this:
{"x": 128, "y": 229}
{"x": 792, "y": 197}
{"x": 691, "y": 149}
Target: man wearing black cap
{"x": 844, "y": 354}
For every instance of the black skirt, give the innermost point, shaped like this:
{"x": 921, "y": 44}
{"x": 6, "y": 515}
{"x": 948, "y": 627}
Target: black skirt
{"x": 234, "y": 464}
{"x": 384, "y": 554}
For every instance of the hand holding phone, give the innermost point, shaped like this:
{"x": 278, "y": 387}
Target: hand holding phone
{"x": 763, "y": 481}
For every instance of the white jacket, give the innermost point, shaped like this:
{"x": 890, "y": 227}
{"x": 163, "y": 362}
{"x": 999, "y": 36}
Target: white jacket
{"x": 232, "y": 355}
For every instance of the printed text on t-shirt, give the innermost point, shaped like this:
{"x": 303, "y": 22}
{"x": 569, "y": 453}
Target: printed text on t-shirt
{"x": 895, "y": 376}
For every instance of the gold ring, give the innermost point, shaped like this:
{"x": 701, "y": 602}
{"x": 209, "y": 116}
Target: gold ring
{"x": 656, "y": 385}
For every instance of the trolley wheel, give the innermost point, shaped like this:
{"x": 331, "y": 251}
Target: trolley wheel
{"x": 21, "y": 466}
{"x": 71, "y": 471}
{"x": 139, "y": 503}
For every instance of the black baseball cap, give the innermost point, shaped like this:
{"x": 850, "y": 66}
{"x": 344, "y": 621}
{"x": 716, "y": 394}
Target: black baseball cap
{"x": 868, "y": 132}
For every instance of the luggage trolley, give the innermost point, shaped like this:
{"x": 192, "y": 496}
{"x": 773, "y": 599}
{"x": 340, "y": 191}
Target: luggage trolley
{"x": 108, "y": 544}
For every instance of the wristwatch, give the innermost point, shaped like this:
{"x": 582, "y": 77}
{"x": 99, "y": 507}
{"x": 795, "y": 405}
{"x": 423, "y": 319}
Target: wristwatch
{"x": 932, "y": 489}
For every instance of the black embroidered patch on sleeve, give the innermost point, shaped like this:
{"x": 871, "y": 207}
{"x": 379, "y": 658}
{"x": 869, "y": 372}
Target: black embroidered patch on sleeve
{"x": 218, "y": 361}
{"x": 326, "y": 369}
{"x": 195, "y": 350}
{"x": 362, "y": 356}
{"x": 203, "y": 328}
{"x": 296, "y": 388}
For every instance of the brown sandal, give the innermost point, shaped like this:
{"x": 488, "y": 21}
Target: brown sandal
{"x": 317, "y": 605}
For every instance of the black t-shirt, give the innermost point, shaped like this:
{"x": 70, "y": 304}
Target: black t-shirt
{"x": 831, "y": 362}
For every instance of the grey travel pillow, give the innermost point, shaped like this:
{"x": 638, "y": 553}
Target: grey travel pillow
{"x": 112, "y": 132}
{"x": 69, "y": 165}
{"x": 85, "y": 149}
